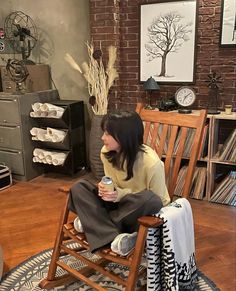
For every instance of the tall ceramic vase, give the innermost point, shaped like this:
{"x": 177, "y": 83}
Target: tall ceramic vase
{"x": 95, "y": 145}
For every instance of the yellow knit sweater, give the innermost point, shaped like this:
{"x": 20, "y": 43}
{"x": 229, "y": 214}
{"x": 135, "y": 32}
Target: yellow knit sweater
{"x": 148, "y": 173}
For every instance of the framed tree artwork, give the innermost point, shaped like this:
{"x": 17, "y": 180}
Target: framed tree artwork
{"x": 228, "y": 23}
{"x": 168, "y": 41}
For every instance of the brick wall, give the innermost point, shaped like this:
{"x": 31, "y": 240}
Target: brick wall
{"x": 117, "y": 22}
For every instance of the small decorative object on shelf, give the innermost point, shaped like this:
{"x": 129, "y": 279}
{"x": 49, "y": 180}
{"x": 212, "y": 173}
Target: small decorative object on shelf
{"x": 168, "y": 104}
{"x": 228, "y": 109}
{"x": 185, "y": 96}
{"x": 213, "y": 93}
{"x": 150, "y": 85}
{"x": 18, "y": 73}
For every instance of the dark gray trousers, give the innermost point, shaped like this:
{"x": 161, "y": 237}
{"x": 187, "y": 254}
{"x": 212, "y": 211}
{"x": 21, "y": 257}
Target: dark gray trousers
{"x": 102, "y": 221}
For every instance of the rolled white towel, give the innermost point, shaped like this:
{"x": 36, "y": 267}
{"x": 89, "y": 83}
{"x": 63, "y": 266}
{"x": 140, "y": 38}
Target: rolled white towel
{"x": 48, "y": 159}
{"x": 52, "y": 113}
{"x": 36, "y": 131}
{"x": 49, "y": 107}
{"x": 43, "y": 113}
{"x": 36, "y": 114}
{"x": 35, "y": 159}
{"x": 55, "y": 134}
{"x": 58, "y": 159}
{"x": 32, "y": 114}
{"x": 44, "y": 161}
{"x": 36, "y": 106}
{"x": 44, "y": 137}
{"x": 41, "y": 154}
{"x": 55, "y": 113}
{"x": 38, "y": 153}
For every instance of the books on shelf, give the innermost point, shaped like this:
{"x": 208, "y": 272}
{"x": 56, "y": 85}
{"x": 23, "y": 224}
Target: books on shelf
{"x": 198, "y": 182}
{"x": 203, "y": 151}
{"x": 157, "y": 130}
{"x": 226, "y": 191}
{"x": 228, "y": 150}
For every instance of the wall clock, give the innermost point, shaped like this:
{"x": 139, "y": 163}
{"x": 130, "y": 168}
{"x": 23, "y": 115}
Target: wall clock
{"x": 185, "y": 96}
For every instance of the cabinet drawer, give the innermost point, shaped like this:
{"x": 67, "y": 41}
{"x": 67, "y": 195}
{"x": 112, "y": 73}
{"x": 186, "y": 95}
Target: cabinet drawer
{"x": 9, "y": 112}
{"x": 10, "y": 137}
{"x": 13, "y": 160}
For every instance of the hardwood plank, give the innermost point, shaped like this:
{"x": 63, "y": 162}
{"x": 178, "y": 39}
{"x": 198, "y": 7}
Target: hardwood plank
{"x": 29, "y": 219}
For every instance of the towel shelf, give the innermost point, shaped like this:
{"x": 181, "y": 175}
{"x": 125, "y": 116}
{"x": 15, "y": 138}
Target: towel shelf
{"x": 73, "y": 144}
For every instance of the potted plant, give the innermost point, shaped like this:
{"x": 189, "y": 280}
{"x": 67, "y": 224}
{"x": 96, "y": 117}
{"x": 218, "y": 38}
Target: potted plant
{"x": 100, "y": 80}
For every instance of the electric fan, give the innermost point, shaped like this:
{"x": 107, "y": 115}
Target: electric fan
{"x": 21, "y": 33}
{"x": 18, "y": 73}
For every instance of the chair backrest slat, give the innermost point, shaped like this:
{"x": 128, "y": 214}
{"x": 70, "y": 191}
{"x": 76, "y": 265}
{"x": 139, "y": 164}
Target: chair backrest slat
{"x": 163, "y": 137}
{"x": 170, "y": 150}
{"x": 146, "y": 131}
{"x": 178, "y": 158}
{"x": 173, "y": 135}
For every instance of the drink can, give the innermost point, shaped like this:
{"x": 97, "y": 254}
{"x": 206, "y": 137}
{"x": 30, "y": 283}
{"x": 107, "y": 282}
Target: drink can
{"x": 107, "y": 182}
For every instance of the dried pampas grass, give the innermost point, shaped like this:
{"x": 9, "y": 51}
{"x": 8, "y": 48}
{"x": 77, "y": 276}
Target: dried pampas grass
{"x": 72, "y": 62}
{"x": 99, "y": 79}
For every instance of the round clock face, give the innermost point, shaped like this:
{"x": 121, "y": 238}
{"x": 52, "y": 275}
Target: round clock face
{"x": 185, "y": 96}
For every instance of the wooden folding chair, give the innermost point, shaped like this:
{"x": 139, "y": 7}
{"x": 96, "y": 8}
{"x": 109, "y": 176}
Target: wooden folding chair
{"x": 166, "y": 132}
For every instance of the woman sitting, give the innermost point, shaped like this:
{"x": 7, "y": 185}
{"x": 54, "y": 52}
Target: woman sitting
{"x": 110, "y": 217}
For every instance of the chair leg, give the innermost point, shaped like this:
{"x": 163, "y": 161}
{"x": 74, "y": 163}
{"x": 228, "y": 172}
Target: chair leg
{"x": 137, "y": 256}
{"x": 52, "y": 280}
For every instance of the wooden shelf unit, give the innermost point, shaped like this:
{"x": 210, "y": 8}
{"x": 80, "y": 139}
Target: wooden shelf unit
{"x": 213, "y": 161}
{"x": 209, "y": 159}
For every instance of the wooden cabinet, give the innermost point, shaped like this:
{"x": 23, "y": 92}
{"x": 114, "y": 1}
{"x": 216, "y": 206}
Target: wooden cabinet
{"x": 73, "y": 146}
{"x": 16, "y": 146}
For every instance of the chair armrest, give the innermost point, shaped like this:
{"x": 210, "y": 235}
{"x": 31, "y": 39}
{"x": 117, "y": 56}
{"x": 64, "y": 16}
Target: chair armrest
{"x": 150, "y": 221}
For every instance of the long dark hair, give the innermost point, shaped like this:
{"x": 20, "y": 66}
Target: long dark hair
{"x": 126, "y": 128}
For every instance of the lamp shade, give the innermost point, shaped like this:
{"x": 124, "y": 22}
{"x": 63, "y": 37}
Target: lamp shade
{"x": 151, "y": 85}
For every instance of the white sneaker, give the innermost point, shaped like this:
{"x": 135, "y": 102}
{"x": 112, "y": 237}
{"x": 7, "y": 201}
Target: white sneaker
{"x": 124, "y": 243}
{"x": 77, "y": 225}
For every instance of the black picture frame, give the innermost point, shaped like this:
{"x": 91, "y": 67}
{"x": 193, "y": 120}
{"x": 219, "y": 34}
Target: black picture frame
{"x": 228, "y": 23}
{"x": 178, "y": 65}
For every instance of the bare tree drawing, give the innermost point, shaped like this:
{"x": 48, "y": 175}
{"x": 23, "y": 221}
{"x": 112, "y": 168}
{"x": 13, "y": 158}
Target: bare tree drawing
{"x": 166, "y": 35}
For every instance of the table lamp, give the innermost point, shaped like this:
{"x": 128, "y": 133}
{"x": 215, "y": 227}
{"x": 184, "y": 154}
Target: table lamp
{"x": 150, "y": 85}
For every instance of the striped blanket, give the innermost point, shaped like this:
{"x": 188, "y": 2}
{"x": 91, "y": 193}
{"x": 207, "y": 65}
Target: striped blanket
{"x": 171, "y": 250}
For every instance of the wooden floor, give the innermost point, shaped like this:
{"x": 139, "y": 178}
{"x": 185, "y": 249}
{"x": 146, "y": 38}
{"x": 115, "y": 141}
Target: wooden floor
{"x": 29, "y": 219}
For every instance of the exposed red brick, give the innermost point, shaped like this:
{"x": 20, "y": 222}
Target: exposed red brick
{"x": 119, "y": 25}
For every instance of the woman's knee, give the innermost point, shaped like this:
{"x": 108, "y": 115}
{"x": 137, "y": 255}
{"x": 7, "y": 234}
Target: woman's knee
{"x": 153, "y": 204}
{"x": 81, "y": 186}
